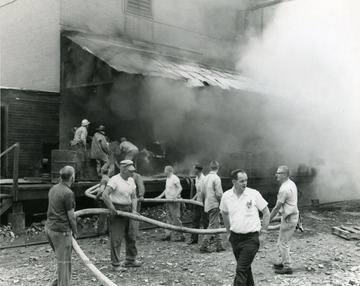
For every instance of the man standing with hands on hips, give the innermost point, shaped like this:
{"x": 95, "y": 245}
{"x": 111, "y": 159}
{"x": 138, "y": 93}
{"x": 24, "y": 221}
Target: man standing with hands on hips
{"x": 240, "y": 208}
{"x": 287, "y": 204}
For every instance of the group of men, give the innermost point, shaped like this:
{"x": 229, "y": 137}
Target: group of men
{"x": 101, "y": 150}
{"x": 239, "y": 207}
{"x": 118, "y": 193}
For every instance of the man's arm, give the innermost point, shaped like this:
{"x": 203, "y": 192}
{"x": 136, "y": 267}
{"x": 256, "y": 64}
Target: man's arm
{"x": 83, "y": 138}
{"x": 276, "y": 209}
{"x": 140, "y": 184}
{"x": 107, "y": 200}
{"x": 265, "y": 224}
{"x": 266, "y": 219}
{"x": 72, "y": 221}
{"x": 104, "y": 145}
{"x": 134, "y": 202}
{"x": 226, "y": 219}
{"x": 179, "y": 189}
{"x": 218, "y": 189}
{"x": 100, "y": 192}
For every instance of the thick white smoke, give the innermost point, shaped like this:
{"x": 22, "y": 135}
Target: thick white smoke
{"x": 310, "y": 52}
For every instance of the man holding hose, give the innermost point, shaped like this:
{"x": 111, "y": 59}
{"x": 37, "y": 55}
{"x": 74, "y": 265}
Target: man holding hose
{"x": 120, "y": 194}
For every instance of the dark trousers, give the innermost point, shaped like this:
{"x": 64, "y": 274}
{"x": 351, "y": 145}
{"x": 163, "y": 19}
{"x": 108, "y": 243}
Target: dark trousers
{"x": 61, "y": 243}
{"x": 245, "y": 247}
{"x": 120, "y": 228}
{"x": 199, "y": 217}
{"x": 102, "y": 223}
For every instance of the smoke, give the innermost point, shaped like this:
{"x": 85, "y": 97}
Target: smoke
{"x": 310, "y": 53}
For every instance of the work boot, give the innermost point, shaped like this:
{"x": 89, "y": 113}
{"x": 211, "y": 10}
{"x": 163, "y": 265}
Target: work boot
{"x": 284, "y": 270}
{"x": 192, "y": 242}
{"x": 278, "y": 266}
{"x": 180, "y": 239}
{"x": 204, "y": 249}
{"x": 118, "y": 268}
{"x": 166, "y": 238}
{"x": 132, "y": 263}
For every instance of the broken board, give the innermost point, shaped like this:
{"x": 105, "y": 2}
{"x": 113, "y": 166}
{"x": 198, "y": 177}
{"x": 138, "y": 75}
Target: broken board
{"x": 347, "y": 232}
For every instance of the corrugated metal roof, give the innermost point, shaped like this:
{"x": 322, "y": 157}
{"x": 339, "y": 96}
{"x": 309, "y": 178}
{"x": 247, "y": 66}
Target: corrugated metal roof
{"x": 131, "y": 60}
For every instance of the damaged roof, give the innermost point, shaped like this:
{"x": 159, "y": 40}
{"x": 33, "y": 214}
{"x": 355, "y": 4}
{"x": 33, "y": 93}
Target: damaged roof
{"x": 129, "y": 59}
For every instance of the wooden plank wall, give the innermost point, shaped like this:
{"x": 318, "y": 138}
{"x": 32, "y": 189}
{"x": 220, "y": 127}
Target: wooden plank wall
{"x": 33, "y": 119}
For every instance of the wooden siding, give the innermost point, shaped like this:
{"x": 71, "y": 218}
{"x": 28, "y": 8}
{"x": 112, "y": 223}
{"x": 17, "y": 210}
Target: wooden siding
{"x": 33, "y": 119}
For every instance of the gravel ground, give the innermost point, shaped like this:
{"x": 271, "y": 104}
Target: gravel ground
{"x": 319, "y": 258}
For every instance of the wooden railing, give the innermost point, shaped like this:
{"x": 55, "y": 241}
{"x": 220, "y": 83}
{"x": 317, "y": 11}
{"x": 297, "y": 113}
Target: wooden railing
{"x": 15, "y": 178}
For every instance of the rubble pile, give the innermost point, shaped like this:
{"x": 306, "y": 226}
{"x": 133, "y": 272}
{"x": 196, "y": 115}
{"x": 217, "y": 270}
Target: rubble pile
{"x": 6, "y": 232}
{"x": 159, "y": 213}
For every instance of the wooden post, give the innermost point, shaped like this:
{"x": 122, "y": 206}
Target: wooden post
{"x": 16, "y": 172}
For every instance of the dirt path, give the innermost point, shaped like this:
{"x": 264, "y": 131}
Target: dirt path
{"x": 319, "y": 258}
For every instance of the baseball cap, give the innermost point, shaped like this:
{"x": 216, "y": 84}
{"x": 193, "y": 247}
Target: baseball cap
{"x": 129, "y": 164}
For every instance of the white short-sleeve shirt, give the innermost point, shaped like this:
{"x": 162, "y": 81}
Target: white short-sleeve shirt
{"x": 289, "y": 197}
{"x": 243, "y": 211}
{"x": 171, "y": 187}
{"x": 122, "y": 190}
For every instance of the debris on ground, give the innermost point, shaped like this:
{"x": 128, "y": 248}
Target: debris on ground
{"x": 319, "y": 258}
{"x": 347, "y": 232}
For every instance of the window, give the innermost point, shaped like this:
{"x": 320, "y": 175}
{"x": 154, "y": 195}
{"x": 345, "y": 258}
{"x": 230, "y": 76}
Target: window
{"x": 139, "y": 7}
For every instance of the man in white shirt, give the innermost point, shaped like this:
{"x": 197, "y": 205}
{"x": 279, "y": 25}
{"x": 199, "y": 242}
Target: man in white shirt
{"x": 211, "y": 193}
{"x": 199, "y": 215}
{"x": 286, "y": 203}
{"x": 172, "y": 191}
{"x": 240, "y": 208}
{"x": 79, "y": 145}
{"x": 120, "y": 194}
{"x": 129, "y": 149}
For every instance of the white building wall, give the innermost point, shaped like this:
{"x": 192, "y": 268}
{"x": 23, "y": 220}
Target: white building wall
{"x": 30, "y": 44}
{"x": 190, "y": 29}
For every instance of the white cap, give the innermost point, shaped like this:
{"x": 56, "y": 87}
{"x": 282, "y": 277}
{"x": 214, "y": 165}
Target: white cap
{"x": 85, "y": 122}
{"x": 129, "y": 164}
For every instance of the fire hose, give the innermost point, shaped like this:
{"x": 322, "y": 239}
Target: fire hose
{"x": 89, "y": 193}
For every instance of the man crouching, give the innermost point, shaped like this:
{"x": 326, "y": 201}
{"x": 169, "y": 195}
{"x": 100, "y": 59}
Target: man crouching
{"x": 120, "y": 194}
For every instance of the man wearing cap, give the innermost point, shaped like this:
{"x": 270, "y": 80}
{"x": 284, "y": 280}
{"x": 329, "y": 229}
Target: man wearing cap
{"x": 120, "y": 194}
{"x": 60, "y": 225}
{"x": 129, "y": 149}
{"x": 79, "y": 144}
{"x": 199, "y": 215}
{"x": 286, "y": 203}
{"x": 99, "y": 149}
{"x": 240, "y": 208}
{"x": 211, "y": 194}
